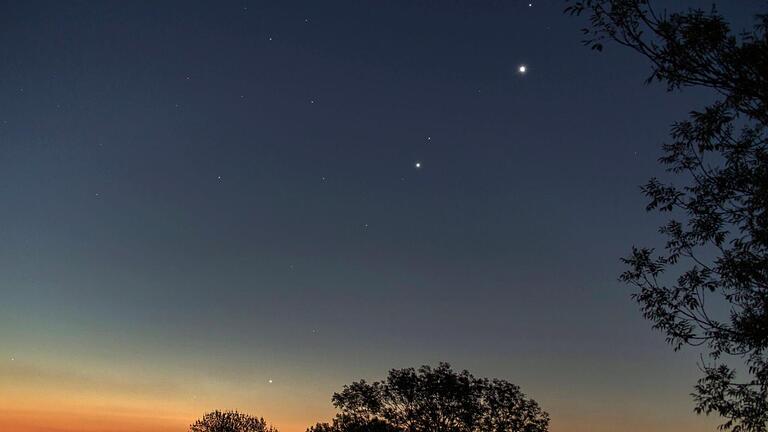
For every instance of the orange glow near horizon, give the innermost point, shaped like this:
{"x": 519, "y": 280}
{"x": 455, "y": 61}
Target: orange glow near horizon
{"x": 48, "y": 421}
{"x": 43, "y": 398}
{"x": 56, "y": 396}
{"x": 93, "y": 420}
{"x": 60, "y": 406}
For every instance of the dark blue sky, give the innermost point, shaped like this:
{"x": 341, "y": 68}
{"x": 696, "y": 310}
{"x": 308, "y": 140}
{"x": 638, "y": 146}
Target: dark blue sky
{"x": 228, "y": 190}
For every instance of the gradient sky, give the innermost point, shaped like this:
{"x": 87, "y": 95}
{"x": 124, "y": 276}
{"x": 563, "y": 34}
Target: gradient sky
{"x": 201, "y": 197}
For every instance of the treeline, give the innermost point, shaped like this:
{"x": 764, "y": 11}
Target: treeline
{"x": 423, "y": 399}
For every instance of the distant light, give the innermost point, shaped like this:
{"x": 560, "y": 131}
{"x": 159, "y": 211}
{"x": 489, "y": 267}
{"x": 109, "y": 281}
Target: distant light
{"x": 417, "y": 165}
{"x": 270, "y": 381}
{"x": 522, "y": 69}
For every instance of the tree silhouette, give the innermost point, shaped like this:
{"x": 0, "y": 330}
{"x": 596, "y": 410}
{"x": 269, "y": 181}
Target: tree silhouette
{"x": 434, "y": 400}
{"x": 345, "y": 423}
{"x": 709, "y": 286}
{"x": 230, "y": 421}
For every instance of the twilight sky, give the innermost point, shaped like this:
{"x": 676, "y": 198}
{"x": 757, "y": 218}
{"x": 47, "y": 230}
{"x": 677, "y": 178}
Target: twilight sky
{"x": 218, "y": 205}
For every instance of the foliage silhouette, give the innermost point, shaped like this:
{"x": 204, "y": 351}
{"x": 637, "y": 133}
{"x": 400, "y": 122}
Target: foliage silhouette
{"x": 709, "y": 286}
{"x": 434, "y": 400}
{"x": 230, "y": 421}
{"x": 344, "y": 423}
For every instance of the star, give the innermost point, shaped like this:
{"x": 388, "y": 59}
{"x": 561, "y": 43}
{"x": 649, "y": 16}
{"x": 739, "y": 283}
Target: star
{"x": 522, "y": 69}
{"x": 417, "y": 165}
{"x": 218, "y": 178}
{"x": 269, "y": 381}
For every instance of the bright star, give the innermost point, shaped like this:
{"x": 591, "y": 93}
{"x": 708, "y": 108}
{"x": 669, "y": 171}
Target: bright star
{"x": 417, "y": 165}
{"x": 522, "y": 69}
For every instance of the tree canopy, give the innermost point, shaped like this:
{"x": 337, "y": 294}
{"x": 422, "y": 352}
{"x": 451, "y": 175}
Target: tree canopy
{"x": 230, "y": 421}
{"x": 708, "y": 287}
{"x": 345, "y": 423}
{"x": 434, "y": 400}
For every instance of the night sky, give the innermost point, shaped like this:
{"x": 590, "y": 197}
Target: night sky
{"x": 246, "y": 205}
